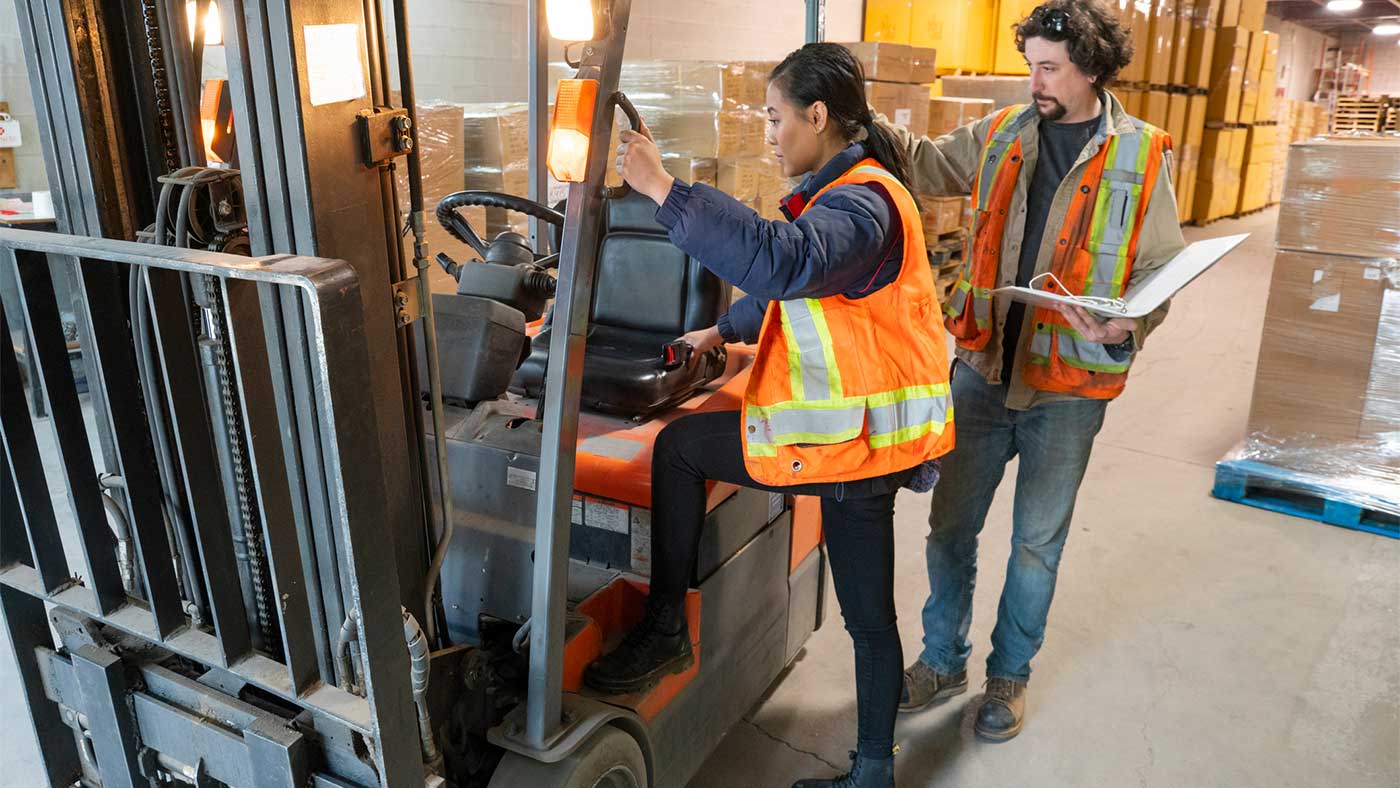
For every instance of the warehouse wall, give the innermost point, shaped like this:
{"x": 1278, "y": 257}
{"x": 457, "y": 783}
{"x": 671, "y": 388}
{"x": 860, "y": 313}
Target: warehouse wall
{"x": 1382, "y": 56}
{"x": 1300, "y": 53}
{"x": 475, "y": 50}
{"x": 14, "y": 88}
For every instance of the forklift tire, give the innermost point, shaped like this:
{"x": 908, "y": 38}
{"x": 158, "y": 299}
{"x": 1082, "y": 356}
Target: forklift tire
{"x": 609, "y": 759}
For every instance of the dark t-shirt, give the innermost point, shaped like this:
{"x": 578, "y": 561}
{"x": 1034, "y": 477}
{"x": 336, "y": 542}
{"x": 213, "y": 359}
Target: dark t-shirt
{"x": 1060, "y": 146}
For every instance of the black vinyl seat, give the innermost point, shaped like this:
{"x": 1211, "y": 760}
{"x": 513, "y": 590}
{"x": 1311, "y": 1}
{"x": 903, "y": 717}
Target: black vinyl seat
{"x": 646, "y": 294}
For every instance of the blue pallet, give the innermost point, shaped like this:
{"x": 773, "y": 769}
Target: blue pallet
{"x": 1265, "y": 486}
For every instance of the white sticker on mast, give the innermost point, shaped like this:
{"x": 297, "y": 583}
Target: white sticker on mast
{"x": 334, "y": 70}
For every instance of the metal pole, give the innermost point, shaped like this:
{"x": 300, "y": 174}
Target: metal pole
{"x": 816, "y": 21}
{"x": 602, "y": 60}
{"x": 538, "y": 75}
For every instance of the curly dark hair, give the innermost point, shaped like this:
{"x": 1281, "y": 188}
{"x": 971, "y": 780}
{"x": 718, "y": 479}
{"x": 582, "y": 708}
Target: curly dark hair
{"x": 1098, "y": 42}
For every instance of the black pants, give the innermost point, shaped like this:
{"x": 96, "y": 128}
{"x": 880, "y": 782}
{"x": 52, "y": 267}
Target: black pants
{"x": 858, "y": 523}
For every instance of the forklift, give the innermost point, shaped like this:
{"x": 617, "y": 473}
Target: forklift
{"x": 332, "y": 528}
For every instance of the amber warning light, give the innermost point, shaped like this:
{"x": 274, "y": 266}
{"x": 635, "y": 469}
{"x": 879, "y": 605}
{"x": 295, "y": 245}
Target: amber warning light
{"x": 568, "y": 137}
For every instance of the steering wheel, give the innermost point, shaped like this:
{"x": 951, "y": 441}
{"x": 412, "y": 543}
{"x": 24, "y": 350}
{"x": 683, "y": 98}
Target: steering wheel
{"x": 458, "y": 227}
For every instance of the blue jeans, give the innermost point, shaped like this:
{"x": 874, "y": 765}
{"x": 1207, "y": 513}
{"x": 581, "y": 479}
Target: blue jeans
{"x": 1053, "y": 441}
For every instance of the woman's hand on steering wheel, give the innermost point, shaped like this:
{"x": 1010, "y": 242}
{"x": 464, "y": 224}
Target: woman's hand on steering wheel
{"x": 639, "y": 161}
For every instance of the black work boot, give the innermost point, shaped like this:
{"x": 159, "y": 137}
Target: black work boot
{"x": 658, "y": 646}
{"x": 1002, "y": 711}
{"x": 865, "y": 773}
{"x": 923, "y": 686}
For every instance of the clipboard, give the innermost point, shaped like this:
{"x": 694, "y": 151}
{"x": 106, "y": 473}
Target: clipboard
{"x": 1145, "y": 296}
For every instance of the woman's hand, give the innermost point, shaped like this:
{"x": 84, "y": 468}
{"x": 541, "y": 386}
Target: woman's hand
{"x": 701, "y": 342}
{"x": 1112, "y": 332}
{"x": 639, "y": 161}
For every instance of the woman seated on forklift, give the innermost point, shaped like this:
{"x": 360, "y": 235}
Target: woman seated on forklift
{"x": 848, "y": 396}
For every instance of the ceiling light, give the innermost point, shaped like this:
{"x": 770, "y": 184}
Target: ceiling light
{"x": 1343, "y": 5}
{"x": 213, "y": 26}
{"x": 1386, "y": 29}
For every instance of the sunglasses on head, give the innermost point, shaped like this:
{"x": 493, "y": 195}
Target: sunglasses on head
{"x": 1055, "y": 20}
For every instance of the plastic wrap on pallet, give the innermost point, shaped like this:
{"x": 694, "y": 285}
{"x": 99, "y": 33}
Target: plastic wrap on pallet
{"x": 441, "y": 151}
{"x": 1342, "y": 196}
{"x": 1326, "y": 401}
{"x": 703, "y": 109}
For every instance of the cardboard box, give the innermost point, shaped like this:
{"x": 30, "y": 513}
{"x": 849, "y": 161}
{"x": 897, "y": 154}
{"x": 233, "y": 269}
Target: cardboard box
{"x": 1007, "y": 59}
{"x": 1271, "y": 48}
{"x": 691, "y": 169}
{"x": 1181, "y": 42}
{"x": 883, "y": 60}
{"x": 923, "y": 65}
{"x": 442, "y": 152}
{"x": 1227, "y": 75}
{"x": 940, "y": 215}
{"x": 888, "y": 20}
{"x": 1229, "y": 14}
{"x": 1206, "y": 13}
{"x": 946, "y": 113}
{"x": 1161, "y": 32}
{"x": 1342, "y": 195}
{"x": 1252, "y": 15}
{"x": 1249, "y": 87}
{"x": 1185, "y": 193}
{"x": 1131, "y": 99}
{"x": 1329, "y": 320}
{"x": 1178, "y": 105}
{"x": 1267, "y": 108}
{"x": 1155, "y": 110}
{"x": 1260, "y": 144}
{"x": 1199, "y": 55}
{"x": 961, "y": 31}
{"x": 1003, "y": 91}
{"x": 704, "y": 134}
{"x": 906, "y": 105}
{"x": 1195, "y": 120}
{"x": 1218, "y": 175}
{"x": 737, "y": 178}
{"x": 1135, "y": 16}
{"x": 1254, "y": 191}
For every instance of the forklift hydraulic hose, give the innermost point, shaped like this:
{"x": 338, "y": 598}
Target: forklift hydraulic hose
{"x": 425, "y": 302}
{"x": 420, "y": 668}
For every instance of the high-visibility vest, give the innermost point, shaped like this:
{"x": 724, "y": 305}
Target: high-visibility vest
{"x": 1094, "y": 251}
{"x": 845, "y": 389}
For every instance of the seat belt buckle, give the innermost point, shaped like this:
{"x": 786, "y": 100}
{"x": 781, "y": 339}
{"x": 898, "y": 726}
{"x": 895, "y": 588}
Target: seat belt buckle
{"x": 675, "y": 354}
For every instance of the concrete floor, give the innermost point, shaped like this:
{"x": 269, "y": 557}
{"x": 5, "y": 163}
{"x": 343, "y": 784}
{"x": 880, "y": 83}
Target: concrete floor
{"x": 1193, "y": 642}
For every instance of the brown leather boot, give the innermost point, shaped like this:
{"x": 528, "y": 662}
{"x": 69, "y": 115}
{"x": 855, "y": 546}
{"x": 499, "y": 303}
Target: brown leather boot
{"x": 1003, "y": 710}
{"x": 923, "y": 686}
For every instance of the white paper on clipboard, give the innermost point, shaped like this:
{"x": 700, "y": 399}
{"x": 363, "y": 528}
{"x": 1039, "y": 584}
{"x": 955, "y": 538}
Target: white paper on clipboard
{"x": 1148, "y": 294}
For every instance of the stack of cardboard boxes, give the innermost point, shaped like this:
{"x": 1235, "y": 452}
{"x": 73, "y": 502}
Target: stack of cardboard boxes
{"x": 1240, "y": 98}
{"x": 1327, "y": 385}
{"x": 897, "y": 81}
{"x": 960, "y": 30}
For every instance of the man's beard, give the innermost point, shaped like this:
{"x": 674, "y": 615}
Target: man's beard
{"x": 1055, "y": 113}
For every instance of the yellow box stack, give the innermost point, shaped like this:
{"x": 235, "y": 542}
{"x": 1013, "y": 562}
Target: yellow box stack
{"x": 961, "y": 31}
{"x": 1006, "y": 58}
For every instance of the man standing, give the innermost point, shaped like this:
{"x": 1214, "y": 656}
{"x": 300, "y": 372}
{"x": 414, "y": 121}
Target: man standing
{"x": 1071, "y": 187}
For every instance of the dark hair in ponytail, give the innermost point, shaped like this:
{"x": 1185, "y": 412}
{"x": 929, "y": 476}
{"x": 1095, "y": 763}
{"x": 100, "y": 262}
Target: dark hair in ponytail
{"x": 830, "y": 73}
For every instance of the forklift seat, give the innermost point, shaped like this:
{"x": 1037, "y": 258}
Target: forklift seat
{"x": 646, "y": 293}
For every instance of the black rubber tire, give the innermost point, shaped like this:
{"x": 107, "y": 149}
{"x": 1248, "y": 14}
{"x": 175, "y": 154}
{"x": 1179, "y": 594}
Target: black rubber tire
{"x": 609, "y": 759}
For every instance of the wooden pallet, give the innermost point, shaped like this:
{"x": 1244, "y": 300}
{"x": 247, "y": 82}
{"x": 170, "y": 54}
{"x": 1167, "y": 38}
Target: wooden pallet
{"x": 1276, "y": 489}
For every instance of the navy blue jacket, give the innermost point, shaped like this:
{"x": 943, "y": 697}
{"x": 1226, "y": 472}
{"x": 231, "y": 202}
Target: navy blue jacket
{"x": 849, "y": 242}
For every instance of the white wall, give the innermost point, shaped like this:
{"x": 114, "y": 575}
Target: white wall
{"x": 14, "y": 88}
{"x": 1300, "y": 53}
{"x": 475, "y": 50}
{"x": 1382, "y": 56}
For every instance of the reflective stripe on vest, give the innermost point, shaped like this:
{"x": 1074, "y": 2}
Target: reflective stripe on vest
{"x": 981, "y": 302}
{"x": 811, "y": 362}
{"x": 1002, "y": 138}
{"x": 893, "y": 417}
{"x": 1115, "y": 214}
{"x": 1074, "y": 350}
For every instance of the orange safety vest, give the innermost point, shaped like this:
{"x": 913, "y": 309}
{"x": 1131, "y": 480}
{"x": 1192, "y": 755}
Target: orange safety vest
{"x": 1093, "y": 254}
{"x": 846, "y": 389}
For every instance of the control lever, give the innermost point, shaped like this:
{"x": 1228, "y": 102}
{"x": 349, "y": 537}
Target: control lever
{"x": 675, "y": 354}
